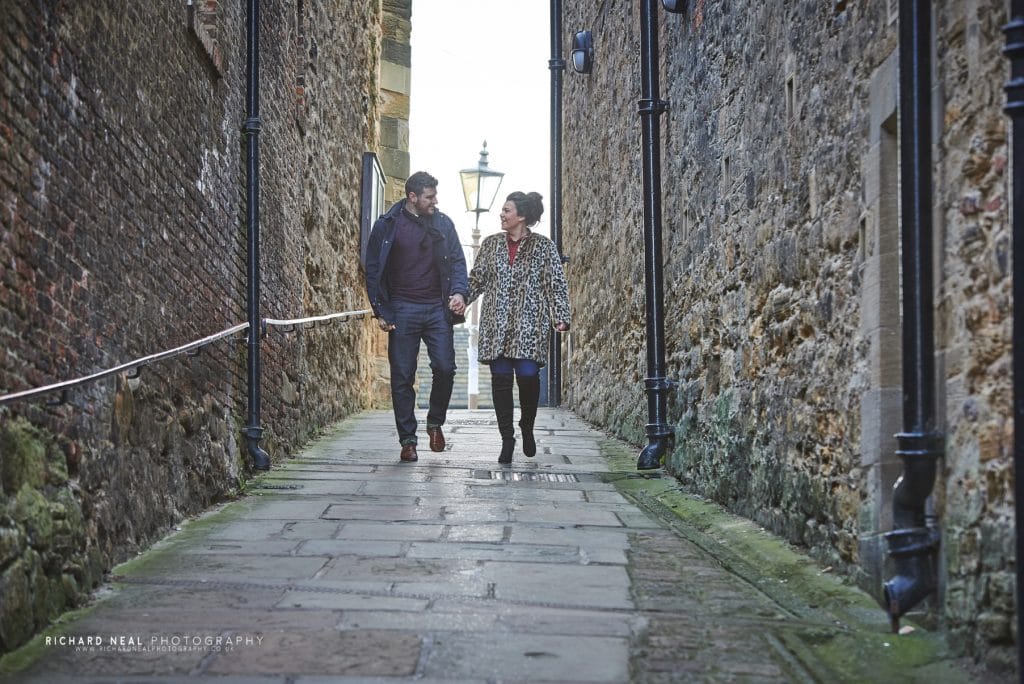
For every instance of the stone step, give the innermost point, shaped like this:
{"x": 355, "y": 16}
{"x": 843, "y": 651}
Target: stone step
{"x": 460, "y": 393}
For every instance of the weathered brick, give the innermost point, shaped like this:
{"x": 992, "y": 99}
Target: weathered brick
{"x": 122, "y": 196}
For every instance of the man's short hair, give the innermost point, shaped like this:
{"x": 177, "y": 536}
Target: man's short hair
{"x": 418, "y": 181}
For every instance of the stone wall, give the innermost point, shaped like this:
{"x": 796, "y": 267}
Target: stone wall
{"x": 396, "y": 87}
{"x": 122, "y": 187}
{"x": 975, "y": 498}
{"x": 781, "y": 239}
{"x": 395, "y": 91}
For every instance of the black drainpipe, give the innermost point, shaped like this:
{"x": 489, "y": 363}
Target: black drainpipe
{"x": 253, "y": 431}
{"x": 1015, "y": 108}
{"x": 557, "y": 66}
{"x": 659, "y": 434}
{"x": 912, "y": 543}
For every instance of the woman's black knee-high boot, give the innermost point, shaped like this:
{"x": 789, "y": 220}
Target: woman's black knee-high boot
{"x": 501, "y": 391}
{"x": 529, "y": 396}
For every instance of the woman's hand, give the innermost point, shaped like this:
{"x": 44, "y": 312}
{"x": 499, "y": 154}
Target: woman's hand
{"x": 562, "y": 326}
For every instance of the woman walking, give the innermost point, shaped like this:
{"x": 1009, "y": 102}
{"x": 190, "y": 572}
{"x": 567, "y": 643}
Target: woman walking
{"x": 519, "y": 272}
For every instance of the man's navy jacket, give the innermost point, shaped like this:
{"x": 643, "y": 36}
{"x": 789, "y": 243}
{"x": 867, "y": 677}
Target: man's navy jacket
{"x": 448, "y": 256}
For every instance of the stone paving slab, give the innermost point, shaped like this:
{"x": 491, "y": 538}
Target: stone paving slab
{"x": 261, "y": 531}
{"x": 332, "y": 548}
{"x": 390, "y": 531}
{"x": 199, "y": 567}
{"x": 396, "y": 513}
{"x": 310, "y": 599}
{"x": 530, "y": 657}
{"x": 346, "y": 565}
{"x": 325, "y": 652}
{"x": 484, "y": 551}
{"x": 576, "y": 586}
{"x": 273, "y": 547}
{"x": 433, "y": 489}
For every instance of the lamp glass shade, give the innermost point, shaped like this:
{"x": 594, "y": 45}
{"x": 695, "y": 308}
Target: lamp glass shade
{"x": 480, "y": 187}
{"x": 579, "y": 62}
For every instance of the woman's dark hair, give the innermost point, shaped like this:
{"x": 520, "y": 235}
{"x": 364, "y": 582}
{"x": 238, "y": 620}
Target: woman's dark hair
{"x": 528, "y": 205}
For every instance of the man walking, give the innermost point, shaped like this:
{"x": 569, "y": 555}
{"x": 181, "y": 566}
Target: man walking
{"x": 415, "y": 271}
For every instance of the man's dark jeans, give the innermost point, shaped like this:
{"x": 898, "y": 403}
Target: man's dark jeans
{"x": 415, "y": 322}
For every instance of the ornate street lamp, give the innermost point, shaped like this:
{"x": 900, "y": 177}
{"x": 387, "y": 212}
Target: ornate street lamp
{"x": 480, "y": 187}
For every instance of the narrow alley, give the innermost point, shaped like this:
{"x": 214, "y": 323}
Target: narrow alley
{"x": 346, "y": 565}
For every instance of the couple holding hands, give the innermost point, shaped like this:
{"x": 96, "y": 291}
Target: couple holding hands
{"x": 416, "y": 281}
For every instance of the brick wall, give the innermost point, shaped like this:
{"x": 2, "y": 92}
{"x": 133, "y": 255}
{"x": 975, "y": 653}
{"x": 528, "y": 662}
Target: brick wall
{"x": 122, "y": 201}
{"x": 781, "y": 272}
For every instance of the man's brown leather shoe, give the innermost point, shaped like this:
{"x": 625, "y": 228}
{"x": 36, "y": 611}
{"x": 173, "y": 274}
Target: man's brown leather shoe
{"x": 409, "y": 453}
{"x": 436, "y": 438}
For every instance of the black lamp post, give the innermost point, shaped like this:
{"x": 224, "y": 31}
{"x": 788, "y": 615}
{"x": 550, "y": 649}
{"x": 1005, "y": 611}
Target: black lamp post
{"x": 480, "y": 187}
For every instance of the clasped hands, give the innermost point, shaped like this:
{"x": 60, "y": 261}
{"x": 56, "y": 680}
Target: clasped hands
{"x": 457, "y": 304}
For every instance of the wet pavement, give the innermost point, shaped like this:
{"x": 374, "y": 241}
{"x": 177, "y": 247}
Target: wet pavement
{"x": 346, "y": 565}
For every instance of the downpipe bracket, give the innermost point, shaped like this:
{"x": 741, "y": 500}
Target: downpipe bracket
{"x": 660, "y": 384}
{"x": 652, "y": 106}
{"x": 1014, "y": 31}
{"x": 920, "y": 445}
{"x": 1014, "y": 96}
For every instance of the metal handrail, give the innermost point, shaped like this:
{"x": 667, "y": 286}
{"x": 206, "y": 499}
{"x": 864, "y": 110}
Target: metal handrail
{"x": 295, "y": 322}
{"x": 131, "y": 365}
{"x": 191, "y": 349}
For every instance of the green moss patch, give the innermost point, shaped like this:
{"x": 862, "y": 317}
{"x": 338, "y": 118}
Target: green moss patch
{"x": 854, "y": 641}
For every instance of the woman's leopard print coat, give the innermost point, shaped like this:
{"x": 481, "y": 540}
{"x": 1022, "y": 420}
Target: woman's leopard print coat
{"x": 522, "y": 301}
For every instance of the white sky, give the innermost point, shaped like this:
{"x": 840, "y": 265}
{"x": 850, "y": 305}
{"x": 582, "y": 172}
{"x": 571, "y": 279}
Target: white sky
{"x": 480, "y": 72}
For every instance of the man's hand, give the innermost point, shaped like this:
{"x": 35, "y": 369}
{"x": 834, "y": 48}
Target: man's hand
{"x": 457, "y": 304}
{"x": 384, "y": 325}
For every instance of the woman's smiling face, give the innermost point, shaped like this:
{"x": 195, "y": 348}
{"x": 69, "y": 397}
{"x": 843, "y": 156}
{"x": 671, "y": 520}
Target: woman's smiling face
{"x": 510, "y": 217}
